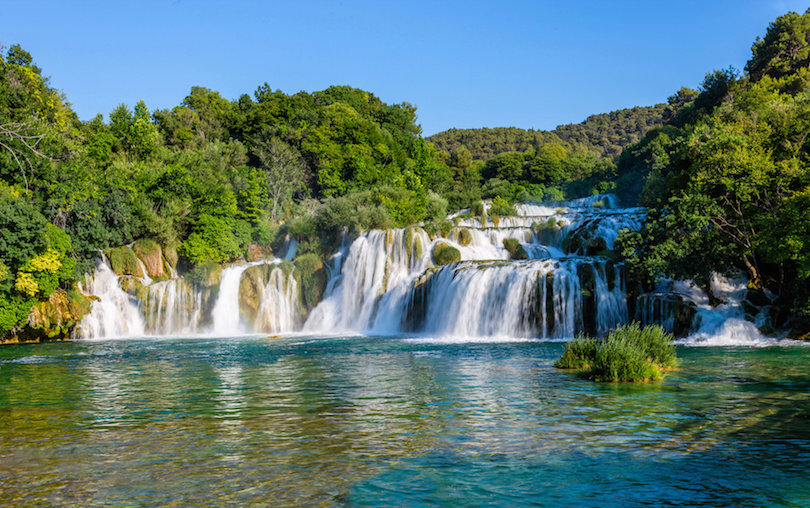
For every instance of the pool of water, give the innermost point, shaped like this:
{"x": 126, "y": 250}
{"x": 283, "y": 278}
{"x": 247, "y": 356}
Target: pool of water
{"x": 394, "y": 421}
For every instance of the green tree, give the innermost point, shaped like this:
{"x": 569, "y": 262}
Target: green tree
{"x": 284, "y": 171}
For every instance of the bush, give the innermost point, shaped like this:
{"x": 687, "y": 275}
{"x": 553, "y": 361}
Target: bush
{"x": 629, "y": 353}
{"x": 501, "y": 207}
{"x": 436, "y": 208}
{"x": 444, "y": 253}
{"x": 205, "y": 274}
{"x": 465, "y": 237}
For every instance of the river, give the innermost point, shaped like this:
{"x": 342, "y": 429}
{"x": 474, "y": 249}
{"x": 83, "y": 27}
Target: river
{"x": 394, "y": 421}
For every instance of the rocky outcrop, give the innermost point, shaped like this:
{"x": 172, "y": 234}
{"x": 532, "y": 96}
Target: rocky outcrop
{"x": 150, "y": 253}
{"x": 124, "y": 261}
{"x": 53, "y": 319}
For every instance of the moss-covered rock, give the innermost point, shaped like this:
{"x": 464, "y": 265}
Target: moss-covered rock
{"x": 258, "y": 253}
{"x": 465, "y": 237}
{"x": 150, "y": 253}
{"x": 444, "y": 253}
{"x": 250, "y": 291}
{"x": 515, "y": 249}
{"x": 312, "y": 279}
{"x": 56, "y": 318}
{"x": 124, "y": 261}
{"x": 583, "y": 241}
{"x": 205, "y": 274}
{"x": 408, "y": 238}
{"x": 130, "y": 284}
{"x": 587, "y": 285}
{"x": 170, "y": 254}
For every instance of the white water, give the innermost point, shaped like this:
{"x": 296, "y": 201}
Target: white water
{"x": 375, "y": 290}
{"x": 385, "y": 282}
{"x": 114, "y": 313}
{"x": 724, "y": 324}
{"x": 175, "y": 307}
{"x": 225, "y": 314}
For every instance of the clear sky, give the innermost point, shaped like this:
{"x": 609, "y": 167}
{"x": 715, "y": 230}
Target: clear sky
{"x": 530, "y": 64}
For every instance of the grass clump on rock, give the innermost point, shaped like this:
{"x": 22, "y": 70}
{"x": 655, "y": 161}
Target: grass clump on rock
{"x": 629, "y": 353}
{"x": 444, "y": 253}
{"x": 515, "y": 249}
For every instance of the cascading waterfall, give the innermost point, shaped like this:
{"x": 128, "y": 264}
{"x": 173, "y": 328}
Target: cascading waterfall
{"x": 385, "y": 282}
{"x": 387, "y": 285}
{"x": 114, "y": 313}
{"x": 176, "y": 307}
{"x": 172, "y": 307}
{"x": 278, "y": 309}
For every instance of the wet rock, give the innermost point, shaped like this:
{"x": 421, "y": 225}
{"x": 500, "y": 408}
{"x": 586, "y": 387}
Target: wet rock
{"x": 258, "y": 253}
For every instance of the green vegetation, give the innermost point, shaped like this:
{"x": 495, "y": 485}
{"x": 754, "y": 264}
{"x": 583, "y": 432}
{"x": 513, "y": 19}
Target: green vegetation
{"x": 629, "y": 353}
{"x": 444, "y": 253}
{"x": 726, "y": 178}
{"x": 722, "y": 168}
{"x": 515, "y": 249}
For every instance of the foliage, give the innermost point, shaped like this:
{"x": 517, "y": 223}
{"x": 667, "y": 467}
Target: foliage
{"x": 124, "y": 261}
{"x": 211, "y": 239}
{"x": 501, "y": 207}
{"x": 629, "y": 353}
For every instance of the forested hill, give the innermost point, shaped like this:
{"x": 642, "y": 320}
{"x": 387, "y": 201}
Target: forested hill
{"x": 600, "y": 136}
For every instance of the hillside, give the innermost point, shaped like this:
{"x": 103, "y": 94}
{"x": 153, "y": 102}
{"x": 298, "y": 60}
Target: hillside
{"x": 601, "y": 136}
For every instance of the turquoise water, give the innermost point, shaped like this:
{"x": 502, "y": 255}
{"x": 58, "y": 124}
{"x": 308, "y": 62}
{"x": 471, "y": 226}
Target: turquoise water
{"x": 394, "y": 422}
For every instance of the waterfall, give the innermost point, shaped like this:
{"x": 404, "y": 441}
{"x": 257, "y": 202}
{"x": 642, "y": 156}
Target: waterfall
{"x": 225, "y": 314}
{"x": 172, "y": 307}
{"x": 176, "y": 307}
{"x": 278, "y": 308}
{"x": 385, "y": 282}
{"x": 114, "y": 313}
{"x": 387, "y": 286}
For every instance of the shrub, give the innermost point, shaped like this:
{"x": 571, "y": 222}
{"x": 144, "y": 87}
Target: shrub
{"x": 444, "y": 253}
{"x": 477, "y": 209}
{"x": 465, "y": 237}
{"x": 205, "y": 274}
{"x": 436, "y": 208}
{"x": 629, "y": 353}
{"x": 501, "y": 207}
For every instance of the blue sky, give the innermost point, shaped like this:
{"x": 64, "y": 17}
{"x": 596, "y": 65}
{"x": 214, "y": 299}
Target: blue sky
{"x": 530, "y": 64}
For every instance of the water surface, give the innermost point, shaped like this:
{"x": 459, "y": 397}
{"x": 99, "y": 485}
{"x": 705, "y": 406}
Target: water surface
{"x": 393, "y": 421}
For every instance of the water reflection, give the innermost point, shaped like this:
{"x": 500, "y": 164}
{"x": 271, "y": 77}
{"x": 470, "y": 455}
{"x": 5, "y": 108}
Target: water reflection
{"x": 386, "y": 421}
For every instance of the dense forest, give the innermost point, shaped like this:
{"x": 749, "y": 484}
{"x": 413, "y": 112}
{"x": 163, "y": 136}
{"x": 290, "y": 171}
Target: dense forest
{"x": 602, "y": 136}
{"x": 723, "y": 170}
